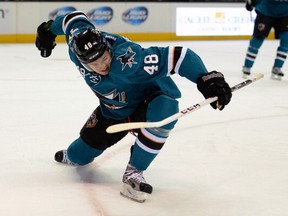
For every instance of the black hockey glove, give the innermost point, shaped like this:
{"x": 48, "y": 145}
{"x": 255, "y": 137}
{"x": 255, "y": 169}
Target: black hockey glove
{"x": 45, "y": 40}
{"x": 213, "y": 84}
{"x": 250, "y": 4}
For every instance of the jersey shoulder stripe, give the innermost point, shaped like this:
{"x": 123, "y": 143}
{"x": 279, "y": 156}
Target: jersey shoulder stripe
{"x": 175, "y": 58}
{"x": 76, "y": 15}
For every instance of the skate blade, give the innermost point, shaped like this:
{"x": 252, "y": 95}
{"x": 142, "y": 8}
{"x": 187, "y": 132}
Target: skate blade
{"x": 128, "y": 192}
{"x": 276, "y": 77}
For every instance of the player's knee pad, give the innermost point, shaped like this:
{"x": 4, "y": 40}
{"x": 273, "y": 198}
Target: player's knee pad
{"x": 162, "y": 107}
{"x": 81, "y": 153}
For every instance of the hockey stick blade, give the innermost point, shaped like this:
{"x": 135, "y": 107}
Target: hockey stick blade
{"x": 134, "y": 125}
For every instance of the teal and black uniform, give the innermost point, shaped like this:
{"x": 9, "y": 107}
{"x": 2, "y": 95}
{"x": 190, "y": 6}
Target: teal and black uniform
{"x": 138, "y": 87}
{"x": 272, "y": 8}
{"x": 270, "y": 14}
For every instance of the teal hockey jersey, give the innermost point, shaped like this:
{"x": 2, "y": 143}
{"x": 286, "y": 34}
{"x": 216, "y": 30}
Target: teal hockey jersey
{"x": 135, "y": 73}
{"x": 272, "y": 8}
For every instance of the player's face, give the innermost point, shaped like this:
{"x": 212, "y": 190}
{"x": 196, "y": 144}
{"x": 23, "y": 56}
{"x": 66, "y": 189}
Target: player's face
{"x": 102, "y": 65}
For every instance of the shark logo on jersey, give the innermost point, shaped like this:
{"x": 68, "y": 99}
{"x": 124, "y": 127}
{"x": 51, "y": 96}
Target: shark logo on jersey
{"x": 127, "y": 58}
{"x": 112, "y": 100}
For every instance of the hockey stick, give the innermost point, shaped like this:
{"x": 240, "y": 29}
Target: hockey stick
{"x": 134, "y": 125}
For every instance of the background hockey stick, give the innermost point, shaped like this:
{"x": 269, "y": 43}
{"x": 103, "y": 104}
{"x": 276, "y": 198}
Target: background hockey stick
{"x": 134, "y": 125}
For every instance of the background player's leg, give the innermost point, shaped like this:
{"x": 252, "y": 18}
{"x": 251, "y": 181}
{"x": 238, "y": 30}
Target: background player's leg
{"x": 251, "y": 54}
{"x": 281, "y": 55}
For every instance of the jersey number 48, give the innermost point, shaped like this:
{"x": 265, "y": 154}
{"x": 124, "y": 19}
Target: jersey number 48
{"x": 152, "y": 61}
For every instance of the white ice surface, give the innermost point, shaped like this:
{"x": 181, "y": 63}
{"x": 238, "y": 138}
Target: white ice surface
{"x": 228, "y": 163}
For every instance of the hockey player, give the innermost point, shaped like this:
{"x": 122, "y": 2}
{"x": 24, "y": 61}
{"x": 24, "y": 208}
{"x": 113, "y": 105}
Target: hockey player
{"x": 270, "y": 14}
{"x": 132, "y": 84}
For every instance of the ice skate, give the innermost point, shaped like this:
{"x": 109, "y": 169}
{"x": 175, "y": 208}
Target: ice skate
{"x": 62, "y": 157}
{"x": 246, "y": 72}
{"x": 277, "y": 74}
{"x": 135, "y": 186}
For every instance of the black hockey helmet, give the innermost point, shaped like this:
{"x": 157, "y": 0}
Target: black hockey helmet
{"x": 89, "y": 45}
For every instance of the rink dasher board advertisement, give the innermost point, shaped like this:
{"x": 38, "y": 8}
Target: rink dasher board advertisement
{"x": 112, "y": 17}
{"x": 137, "y": 20}
{"x": 7, "y": 18}
{"x": 213, "y": 21}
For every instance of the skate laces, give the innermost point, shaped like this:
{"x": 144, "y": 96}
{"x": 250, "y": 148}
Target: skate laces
{"x": 66, "y": 159}
{"x": 134, "y": 174}
{"x": 135, "y": 179}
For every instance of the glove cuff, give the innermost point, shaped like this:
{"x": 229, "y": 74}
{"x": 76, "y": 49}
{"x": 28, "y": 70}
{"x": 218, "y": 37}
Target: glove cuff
{"x": 210, "y": 75}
